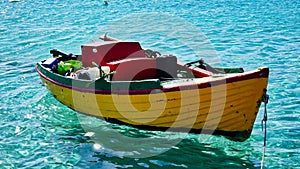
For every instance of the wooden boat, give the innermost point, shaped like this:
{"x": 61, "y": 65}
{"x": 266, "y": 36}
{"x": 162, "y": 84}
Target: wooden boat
{"x": 122, "y": 83}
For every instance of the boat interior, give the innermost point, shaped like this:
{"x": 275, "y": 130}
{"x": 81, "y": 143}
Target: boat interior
{"x": 127, "y": 61}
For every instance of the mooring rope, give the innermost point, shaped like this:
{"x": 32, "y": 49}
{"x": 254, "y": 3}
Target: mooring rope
{"x": 265, "y": 99}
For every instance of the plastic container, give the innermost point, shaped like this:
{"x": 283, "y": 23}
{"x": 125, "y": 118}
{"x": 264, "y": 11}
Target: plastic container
{"x": 75, "y": 63}
{"x": 94, "y": 73}
{"x": 50, "y": 62}
{"x": 91, "y": 73}
{"x": 64, "y": 67}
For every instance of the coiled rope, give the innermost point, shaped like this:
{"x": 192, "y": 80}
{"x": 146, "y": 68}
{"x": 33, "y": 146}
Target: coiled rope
{"x": 265, "y": 99}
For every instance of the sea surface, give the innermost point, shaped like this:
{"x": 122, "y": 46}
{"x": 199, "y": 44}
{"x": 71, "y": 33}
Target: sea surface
{"x": 37, "y": 131}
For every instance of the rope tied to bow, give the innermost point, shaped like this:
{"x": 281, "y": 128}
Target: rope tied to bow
{"x": 265, "y": 99}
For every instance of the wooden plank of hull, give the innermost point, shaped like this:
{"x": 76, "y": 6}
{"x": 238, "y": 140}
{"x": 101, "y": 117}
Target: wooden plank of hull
{"x": 234, "y": 108}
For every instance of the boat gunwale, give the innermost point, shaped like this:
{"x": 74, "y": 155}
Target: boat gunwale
{"x": 229, "y": 78}
{"x": 96, "y": 91}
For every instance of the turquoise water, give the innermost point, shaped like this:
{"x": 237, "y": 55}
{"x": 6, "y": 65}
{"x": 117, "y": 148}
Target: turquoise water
{"x": 37, "y": 131}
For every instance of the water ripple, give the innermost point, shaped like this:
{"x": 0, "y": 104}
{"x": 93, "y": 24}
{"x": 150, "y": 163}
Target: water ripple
{"x": 37, "y": 131}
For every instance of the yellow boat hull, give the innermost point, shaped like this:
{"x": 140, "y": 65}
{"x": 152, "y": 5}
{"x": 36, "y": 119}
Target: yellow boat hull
{"x": 227, "y": 108}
